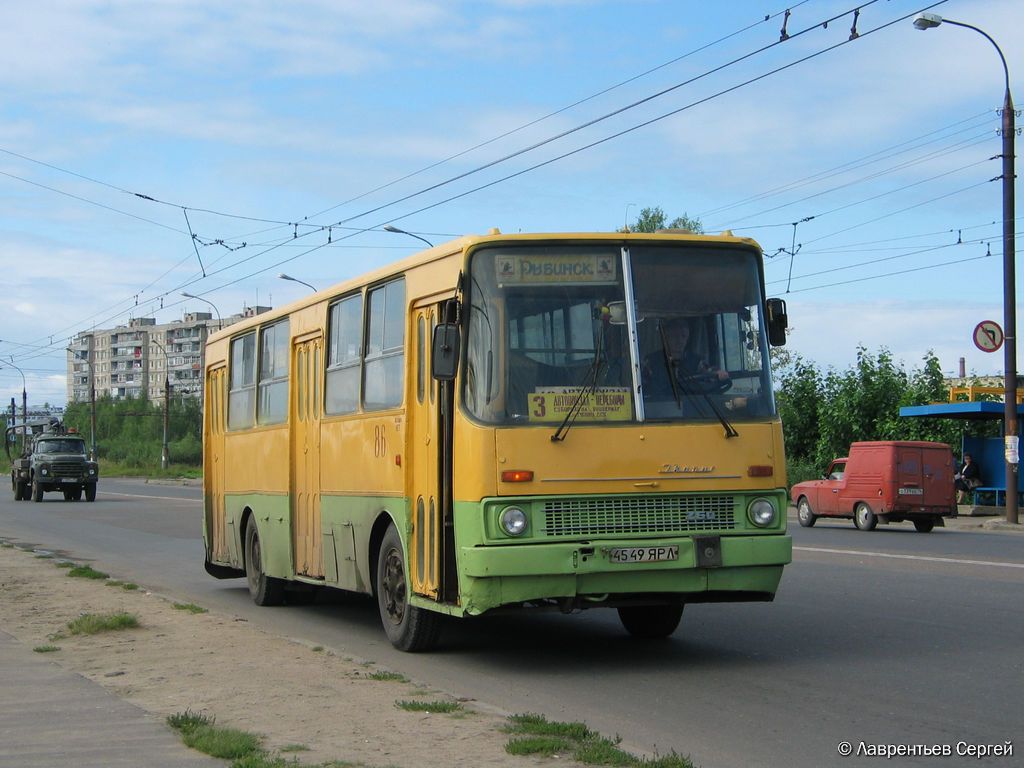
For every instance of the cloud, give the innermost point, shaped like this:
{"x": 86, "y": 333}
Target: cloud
{"x": 829, "y": 333}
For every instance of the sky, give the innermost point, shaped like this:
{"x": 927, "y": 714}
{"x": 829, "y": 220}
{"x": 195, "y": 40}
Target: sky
{"x": 140, "y": 139}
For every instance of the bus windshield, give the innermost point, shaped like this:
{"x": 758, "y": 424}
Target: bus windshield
{"x": 549, "y": 335}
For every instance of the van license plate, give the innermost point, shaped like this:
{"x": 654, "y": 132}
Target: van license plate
{"x": 643, "y": 554}
{"x": 911, "y": 492}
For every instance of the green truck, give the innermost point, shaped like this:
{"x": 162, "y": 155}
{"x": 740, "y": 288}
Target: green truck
{"x": 51, "y": 459}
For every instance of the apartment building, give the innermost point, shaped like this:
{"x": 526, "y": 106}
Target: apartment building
{"x": 135, "y": 360}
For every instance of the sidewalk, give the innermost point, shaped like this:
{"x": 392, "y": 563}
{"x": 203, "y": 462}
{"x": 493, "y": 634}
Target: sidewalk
{"x": 51, "y": 717}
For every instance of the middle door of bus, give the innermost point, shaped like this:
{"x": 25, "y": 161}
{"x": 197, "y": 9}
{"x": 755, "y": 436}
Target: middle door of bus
{"x": 307, "y": 361}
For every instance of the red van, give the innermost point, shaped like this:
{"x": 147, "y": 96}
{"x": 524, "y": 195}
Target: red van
{"x": 886, "y": 481}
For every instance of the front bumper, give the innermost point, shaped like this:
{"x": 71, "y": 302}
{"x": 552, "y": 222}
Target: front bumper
{"x": 495, "y": 576}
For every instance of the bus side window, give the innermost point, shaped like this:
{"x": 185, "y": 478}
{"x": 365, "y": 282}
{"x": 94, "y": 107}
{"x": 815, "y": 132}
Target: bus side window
{"x": 242, "y": 396}
{"x": 344, "y": 355}
{"x": 384, "y": 370}
{"x": 273, "y": 384}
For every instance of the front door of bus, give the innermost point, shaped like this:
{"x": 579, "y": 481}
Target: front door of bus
{"x": 424, "y": 447}
{"x": 307, "y": 362}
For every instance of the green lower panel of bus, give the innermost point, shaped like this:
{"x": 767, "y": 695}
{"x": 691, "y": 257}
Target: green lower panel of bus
{"x": 750, "y": 568}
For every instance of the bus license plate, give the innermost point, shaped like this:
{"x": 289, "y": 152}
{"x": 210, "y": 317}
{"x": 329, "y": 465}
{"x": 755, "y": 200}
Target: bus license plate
{"x": 643, "y": 554}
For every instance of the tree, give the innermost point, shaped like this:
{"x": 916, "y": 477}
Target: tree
{"x": 653, "y": 219}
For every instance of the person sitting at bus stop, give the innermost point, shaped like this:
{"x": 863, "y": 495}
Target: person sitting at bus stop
{"x": 967, "y": 479}
{"x": 674, "y": 354}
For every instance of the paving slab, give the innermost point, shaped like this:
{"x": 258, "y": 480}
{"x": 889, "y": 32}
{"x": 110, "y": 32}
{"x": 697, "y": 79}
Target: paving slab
{"x": 53, "y": 718}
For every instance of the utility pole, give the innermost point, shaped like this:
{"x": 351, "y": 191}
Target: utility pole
{"x": 165, "y": 458}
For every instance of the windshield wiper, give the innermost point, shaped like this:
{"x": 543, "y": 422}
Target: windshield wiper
{"x": 670, "y": 366}
{"x": 577, "y": 405}
{"x": 677, "y": 384}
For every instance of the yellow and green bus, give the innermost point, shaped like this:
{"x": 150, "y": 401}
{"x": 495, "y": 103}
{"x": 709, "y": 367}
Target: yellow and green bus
{"x": 505, "y": 422}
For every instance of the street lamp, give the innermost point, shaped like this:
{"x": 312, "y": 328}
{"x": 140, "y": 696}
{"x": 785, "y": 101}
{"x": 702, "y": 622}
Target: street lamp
{"x": 625, "y": 217}
{"x": 1010, "y": 430}
{"x": 283, "y": 276}
{"x": 24, "y": 401}
{"x": 220, "y": 323}
{"x": 389, "y": 228}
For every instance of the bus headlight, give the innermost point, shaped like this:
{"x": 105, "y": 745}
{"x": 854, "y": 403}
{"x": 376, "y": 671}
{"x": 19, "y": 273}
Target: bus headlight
{"x": 761, "y": 513}
{"x": 512, "y": 521}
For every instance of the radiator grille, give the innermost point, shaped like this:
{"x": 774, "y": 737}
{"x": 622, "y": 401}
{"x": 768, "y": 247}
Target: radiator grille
{"x": 649, "y": 514}
{"x": 66, "y": 469}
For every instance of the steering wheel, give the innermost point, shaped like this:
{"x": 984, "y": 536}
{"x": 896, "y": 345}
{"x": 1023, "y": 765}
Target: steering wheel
{"x": 708, "y": 382}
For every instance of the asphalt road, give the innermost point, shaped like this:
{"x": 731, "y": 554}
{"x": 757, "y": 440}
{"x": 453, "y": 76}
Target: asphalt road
{"x": 889, "y": 637}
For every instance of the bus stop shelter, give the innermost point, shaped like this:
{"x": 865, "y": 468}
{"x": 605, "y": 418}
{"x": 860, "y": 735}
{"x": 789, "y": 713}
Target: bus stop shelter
{"x": 986, "y": 451}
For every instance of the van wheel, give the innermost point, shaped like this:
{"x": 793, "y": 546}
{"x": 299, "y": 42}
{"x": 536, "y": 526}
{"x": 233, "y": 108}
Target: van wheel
{"x": 408, "y": 628}
{"x": 805, "y": 514}
{"x": 651, "y": 621}
{"x": 265, "y": 590}
{"x": 864, "y": 518}
{"x": 924, "y": 525}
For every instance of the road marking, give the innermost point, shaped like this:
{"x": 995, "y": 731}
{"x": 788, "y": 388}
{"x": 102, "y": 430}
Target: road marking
{"x": 144, "y": 496}
{"x": 994, "y": 564}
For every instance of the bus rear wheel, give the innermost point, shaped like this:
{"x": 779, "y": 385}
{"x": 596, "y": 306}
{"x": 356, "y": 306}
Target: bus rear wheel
{"x": 651, "y": 621}
{"x": 265, "y": 590}
{"x": 408, "y": 628}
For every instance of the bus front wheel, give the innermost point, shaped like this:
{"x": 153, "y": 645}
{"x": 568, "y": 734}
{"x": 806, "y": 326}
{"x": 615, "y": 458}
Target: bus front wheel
{"x": 265, "y": 590}
{"x": 651, "y": 621}
{"x": 408, "y": 628}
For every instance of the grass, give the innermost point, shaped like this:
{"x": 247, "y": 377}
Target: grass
{"x": 201, "y": 733}
{"x": 536, "y": 735}
{"x": 44, "y": 556}
{"x": 439, "y": 706}
{"x": 190, "y": 607}
{"x": 245, "y": 750}
{"x": 87, "y": 572}
{"x": 174, "y": 471}
{"x": 46, "y": 648}
{"x": 125, "y": 585}
{"x": 390, "y": 677}
{"x": 65, "y": 564}
{"x": 93, "y": 623}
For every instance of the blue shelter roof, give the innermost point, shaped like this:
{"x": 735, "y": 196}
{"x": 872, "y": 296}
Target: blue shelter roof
{"x": 976, "y": 410}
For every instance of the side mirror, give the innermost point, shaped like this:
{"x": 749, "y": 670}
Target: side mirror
{"x": 778, "y": 322}
{"x": 444, "y": 352}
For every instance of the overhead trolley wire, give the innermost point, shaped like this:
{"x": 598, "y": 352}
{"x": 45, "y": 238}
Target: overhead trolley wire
{"x": 302, "y": 222}
{"x": 577, "y": 150}
{"x": 603, "y": 140}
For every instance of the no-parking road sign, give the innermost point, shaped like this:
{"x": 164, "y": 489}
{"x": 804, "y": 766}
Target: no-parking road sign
{"x": 988, "y": 336}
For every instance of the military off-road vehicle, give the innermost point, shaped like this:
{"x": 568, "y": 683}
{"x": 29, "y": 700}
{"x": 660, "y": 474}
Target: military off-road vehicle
{"x": 52, "y": 459}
